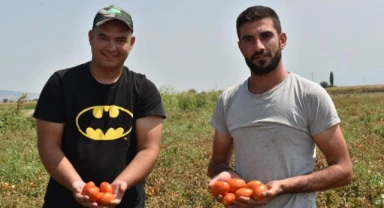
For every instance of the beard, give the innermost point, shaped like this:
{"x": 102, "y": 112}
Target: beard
{"x": 261, "y": 68}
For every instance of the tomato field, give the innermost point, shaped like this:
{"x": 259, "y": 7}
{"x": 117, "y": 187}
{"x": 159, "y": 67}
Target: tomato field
{"x": 180, "y": 176}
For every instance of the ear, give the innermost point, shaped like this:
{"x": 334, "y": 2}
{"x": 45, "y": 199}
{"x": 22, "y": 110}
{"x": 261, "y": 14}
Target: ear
{"x": 90, "y": 36}
{"x": 132, "y": 41}
{"x": 239, "y": 45}
{"x": 283, "y": 40}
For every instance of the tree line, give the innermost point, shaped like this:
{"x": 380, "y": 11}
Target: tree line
{"x": 325, "y": 84}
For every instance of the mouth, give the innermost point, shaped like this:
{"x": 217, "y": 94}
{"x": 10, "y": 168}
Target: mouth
{"x": 109, "y": 56}
{"x": 260, "y": 57}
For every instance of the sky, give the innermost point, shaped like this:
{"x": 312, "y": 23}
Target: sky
{"x": 192, "y": 44}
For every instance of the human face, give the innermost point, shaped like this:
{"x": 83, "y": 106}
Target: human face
{"x": 111, "y": 43}
{"x": 261, "y": 46}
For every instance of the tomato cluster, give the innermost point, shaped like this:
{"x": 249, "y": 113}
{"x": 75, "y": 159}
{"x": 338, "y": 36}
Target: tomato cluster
{"x": 103, "y": 195}
{"x": 234, "y": 188}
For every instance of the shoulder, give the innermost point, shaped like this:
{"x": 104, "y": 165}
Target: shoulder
{"x": 72, "y": 71}
{"x": 135, "y": 76}
{"x": 61, "y": 76}
{"x": 230, "y": 92}
{"x": 306, "y": 86}
{"x": 139, "y": 80}
{"x": 312, "y": 94}
{"x": 303, "y": 82}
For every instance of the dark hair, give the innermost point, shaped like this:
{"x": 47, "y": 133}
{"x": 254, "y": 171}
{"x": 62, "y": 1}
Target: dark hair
{"x": 257, "y": 13}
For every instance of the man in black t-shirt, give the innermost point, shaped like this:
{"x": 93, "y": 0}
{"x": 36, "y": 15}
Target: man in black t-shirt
{"x": 100, "y": 121}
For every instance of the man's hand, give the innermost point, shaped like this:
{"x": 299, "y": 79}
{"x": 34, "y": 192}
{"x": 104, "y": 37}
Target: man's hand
{"x": 77, "y": 188}
{"x": 119, "y": 188}
{"x": 223, "y": 176}
{"x": 274, "y": 189}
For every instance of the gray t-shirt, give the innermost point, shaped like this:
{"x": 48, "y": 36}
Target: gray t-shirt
{"x": 273, "y": 132}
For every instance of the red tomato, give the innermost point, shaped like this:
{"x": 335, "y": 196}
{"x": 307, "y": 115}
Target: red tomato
{"x": 235, "y": 183}
{"x": 93, "y": 193}
{"x": 87, "y": 186}
{"x": 228, "y": 199}
{"x": 220, "y": 188}
{"x": 105, "y": 187}
{"x": 246, "y": 192}
{"x": 106, "y": 199}
{"x": 252, "y": 184}
{"x": 258, "y": 191}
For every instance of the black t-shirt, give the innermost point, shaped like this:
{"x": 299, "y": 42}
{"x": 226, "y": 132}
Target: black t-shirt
{"x": 99, "y": 135}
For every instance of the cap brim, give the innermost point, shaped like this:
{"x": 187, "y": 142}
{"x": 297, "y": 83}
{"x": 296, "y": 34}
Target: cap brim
{"x": 99, "y": 23}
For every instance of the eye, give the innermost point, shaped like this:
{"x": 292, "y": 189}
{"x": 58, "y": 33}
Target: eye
{"x": 267, "y": 35}
{"x": 247, "y": 39}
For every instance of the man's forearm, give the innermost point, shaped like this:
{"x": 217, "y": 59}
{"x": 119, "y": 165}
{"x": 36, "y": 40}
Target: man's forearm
{"x": 58, "y": 166}
{"x": 140, "y": 167}
{"x": 330, "y": 177}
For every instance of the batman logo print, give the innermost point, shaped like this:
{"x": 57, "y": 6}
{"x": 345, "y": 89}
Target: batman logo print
{"x": 109, "y": 122}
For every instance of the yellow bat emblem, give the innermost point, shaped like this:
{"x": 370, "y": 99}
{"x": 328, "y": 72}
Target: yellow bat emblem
{"x": 106, "y": 131}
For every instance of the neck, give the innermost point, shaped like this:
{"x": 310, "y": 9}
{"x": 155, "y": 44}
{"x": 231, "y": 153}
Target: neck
{"x": 258, "y": 84}
{"x": 105, "y": 76}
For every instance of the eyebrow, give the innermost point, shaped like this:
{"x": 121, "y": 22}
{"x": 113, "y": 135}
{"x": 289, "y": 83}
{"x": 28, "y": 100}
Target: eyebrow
{"x": 246, "y": 37}
{"x": 122, "y": 37}
{"x": 262, "y": 34}
{"x": 267, "y": 33}
{"x": 104, "y": 35}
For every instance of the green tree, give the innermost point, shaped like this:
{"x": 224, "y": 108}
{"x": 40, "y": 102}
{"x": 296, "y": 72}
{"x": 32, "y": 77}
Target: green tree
{"x": 324, "y": 84}
{"x": 331, "y": 79}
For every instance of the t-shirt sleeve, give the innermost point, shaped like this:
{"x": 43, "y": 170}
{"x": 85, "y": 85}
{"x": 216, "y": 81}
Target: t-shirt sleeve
{"x": 322, "y": 112}
{"x": 218, "y": 118}
{"x": 150, "y": 102}
{"x": 51, "y": 104}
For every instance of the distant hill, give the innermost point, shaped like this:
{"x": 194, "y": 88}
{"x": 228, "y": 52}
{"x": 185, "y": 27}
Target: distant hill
{"x": 14, "y": 95}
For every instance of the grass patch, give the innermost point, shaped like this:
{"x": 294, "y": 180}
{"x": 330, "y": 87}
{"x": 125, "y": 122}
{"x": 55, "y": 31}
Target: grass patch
{"x": 356, "y": 89}
{"x": 179, "y": 178}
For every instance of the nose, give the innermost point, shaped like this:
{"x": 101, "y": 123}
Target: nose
{"x": 259, "y": 46}
{"x": 111, "y": 46}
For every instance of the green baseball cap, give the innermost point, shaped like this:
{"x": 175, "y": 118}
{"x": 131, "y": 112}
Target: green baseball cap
{"x": 112, "y": 13}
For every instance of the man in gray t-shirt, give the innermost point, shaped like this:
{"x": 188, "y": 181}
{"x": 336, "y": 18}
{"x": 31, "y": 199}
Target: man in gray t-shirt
{"x": 273, "y": 122}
